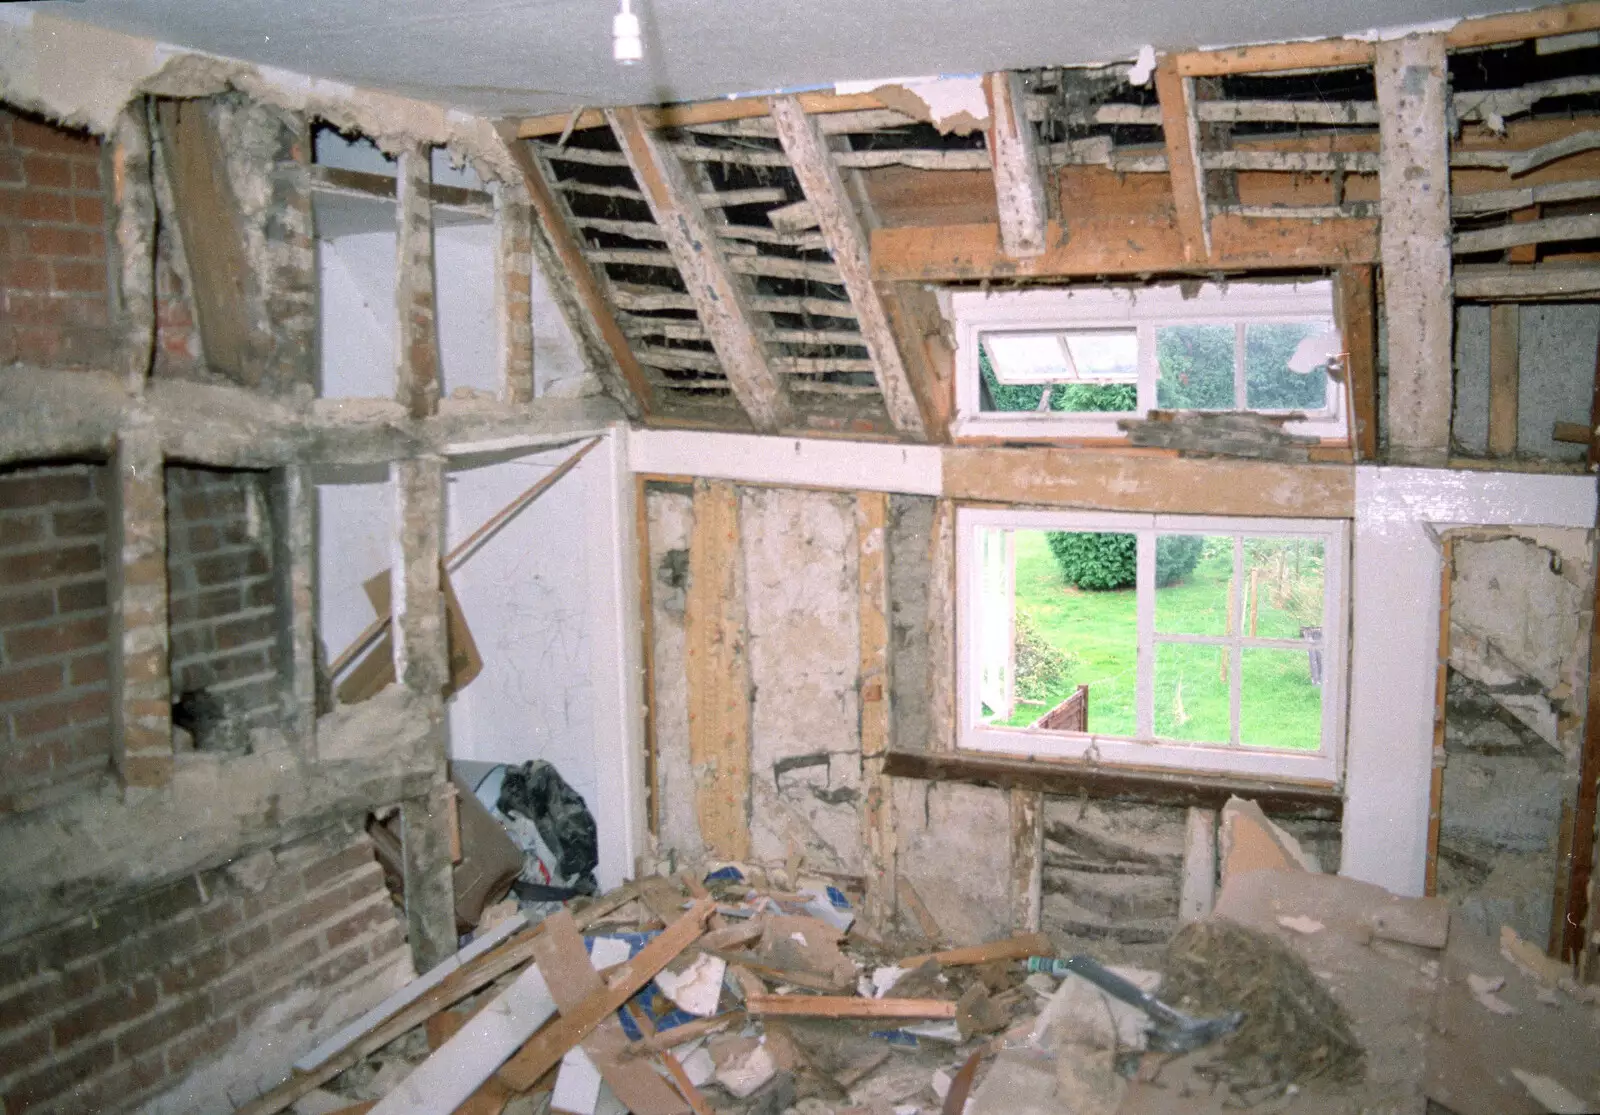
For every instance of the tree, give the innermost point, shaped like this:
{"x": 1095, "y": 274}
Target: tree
{"x": 1064, "y": 397}
{"x": 1098, "y": 561}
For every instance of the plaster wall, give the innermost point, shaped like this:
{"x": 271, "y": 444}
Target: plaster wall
{"x": 1555, "y": 377}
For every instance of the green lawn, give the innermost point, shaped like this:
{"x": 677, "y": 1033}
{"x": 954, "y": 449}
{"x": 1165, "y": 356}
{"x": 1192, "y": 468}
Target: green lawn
{"x": 1279, "y": 706}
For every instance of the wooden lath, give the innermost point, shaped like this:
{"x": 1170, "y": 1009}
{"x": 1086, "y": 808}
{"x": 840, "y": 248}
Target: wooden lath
{"x": 591, "y": 308}
{"x": 719, "y": 297}
{"x": 1019, "y": 187}
{"x": 841, "y": 229}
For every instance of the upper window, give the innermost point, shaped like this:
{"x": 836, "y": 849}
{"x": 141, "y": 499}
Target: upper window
{"x": 1064, "y": 363}
{"x": 1166, "y": 641}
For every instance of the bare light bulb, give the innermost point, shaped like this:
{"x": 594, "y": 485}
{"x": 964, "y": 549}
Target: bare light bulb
{"x": 626, "y": 45}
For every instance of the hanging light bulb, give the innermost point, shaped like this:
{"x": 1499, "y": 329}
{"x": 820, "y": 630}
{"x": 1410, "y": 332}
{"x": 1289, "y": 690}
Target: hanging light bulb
{"x": 626, "y": 45}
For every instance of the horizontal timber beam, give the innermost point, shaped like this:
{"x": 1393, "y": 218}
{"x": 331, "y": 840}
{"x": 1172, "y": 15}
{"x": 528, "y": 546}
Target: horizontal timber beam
{"x": 1121, "y": 247}
{"x": 1061, "y": 777}
{"x": 1113, "y": 481}
{"x": 1562, "y": 19}
{"x": 1323, "y": 54}
{"x": 698, "y": 112}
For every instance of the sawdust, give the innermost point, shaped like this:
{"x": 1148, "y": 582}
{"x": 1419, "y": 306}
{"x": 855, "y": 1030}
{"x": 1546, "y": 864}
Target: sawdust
{"x": 1294, "y": 1031}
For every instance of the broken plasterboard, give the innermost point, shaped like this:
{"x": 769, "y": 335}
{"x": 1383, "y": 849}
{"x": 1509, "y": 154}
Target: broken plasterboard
{"x": 951, "y": 104}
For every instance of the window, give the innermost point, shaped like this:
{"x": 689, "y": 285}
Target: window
{"x": 1066, "y": 363}
{"x": 1154, "y": 640}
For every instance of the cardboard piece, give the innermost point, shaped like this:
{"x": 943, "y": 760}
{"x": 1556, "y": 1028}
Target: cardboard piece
{"x": 374, "y": 672}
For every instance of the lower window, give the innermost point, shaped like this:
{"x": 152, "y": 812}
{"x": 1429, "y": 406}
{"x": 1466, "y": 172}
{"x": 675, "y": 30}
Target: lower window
{"x": 1163, "y": 641}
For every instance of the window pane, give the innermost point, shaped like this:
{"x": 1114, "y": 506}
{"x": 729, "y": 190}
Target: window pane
{"x": 1280, "y": 703}
{"x": 1064, "y": 372}
{"x": 1191, "y": 693}
{"x": 1196, "y": 367}
{"x": 1286, "y": 365}
{"x": 1194, "y": 582}
{"x": 1283, "y": 587}
{"x": 1076, "y": 625}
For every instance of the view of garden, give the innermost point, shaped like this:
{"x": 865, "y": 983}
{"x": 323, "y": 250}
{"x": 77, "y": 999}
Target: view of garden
{"x": 1076, "y": 623}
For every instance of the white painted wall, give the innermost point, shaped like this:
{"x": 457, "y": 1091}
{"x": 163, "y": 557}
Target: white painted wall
{"x": 355, "y": 539}
{"x": 358, "y": 315}
{"x": 463, "y": 267}
{"x": 1400, "y": 513}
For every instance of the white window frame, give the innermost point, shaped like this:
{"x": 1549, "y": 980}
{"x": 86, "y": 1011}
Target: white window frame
{"x": 1145, "y": 309}
{"x": 1325, "y": 765}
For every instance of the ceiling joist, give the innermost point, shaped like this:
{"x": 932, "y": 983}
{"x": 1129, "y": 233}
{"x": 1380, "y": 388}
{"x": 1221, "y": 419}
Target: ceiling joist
{"x": 1019, "y": 187}
{"x": 846, "y": 238}
{"x": 719, "y": 297}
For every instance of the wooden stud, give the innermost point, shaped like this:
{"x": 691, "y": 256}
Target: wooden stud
{"x": 1109, "y": 481}
{"x": 513, "y": 286}
{"x": 942, "y": 628}
{"x": 845, "y": 1006}
{"x": 213, "y": 239}
{"x": 1415, "y": 189}
{"x": 1563, "y": 19}
{"x": 589, "y": 312}
{"x": 1027, "y": 859}
{"x": 417, "y": 348}
{"x": 141, "y": 680}
{"x": 1134, "y": 784}
{"x": 1181, "y": 130}
{"x": 719, "y": 672}
{"x": 721, "y": 300}
{"x": 1580, "y": 922}
{"x": 647, "y": 634}
{"x": 1115, "y": 245}
{"x": 846, "y": 238}
{"x": 1358, "y": 327}
{"x": 877, "y": 815}
{"x": 133, "y": 195}
{"x": 1199, "y": 865}
{"x": 1017, "y": 947}
{"x": 1018, "y": 185}
{"x": 1324, "y": 54}
{"x": 1505, "y": 327}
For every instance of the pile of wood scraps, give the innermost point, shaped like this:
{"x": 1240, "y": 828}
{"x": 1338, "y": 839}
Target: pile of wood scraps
{"x": 669, "y": 996}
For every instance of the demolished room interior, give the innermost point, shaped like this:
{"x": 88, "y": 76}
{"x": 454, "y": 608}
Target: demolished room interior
{"x": 825, "y": 572}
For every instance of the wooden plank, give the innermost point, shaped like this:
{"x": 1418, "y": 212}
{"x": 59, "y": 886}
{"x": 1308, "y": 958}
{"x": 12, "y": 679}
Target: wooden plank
{"x": 647, "y": 657}
{"x": 1112, "y": 245}
{"x": 1109, "y": 481}
{"x": 1027, "y": 859}
{"x": 846, "y": 238}
{"x": 1544, "y": 282}
{"x": 1019, "y": 947}
{"x": 1415, "y": 201}
{"x": 844, "y": 1006}
{"x": 591, "y": 303}
{"x": 877, "y": 813}
{"x": 1358, "y": 326}
{"x": 720, "y": 299}
{"x": 719, "y": 673}
{"x": 1505, "y": 327}
{"x": 1576, "y": 939}
{"x": 1018, "y": 184}
{"x": 1584, "y": 227}
{"x": 699, "y": 112}
{"x": 1199, "y": 889}
{"x": 560, "y": 954}
{"x": 1132, "y": 784}
{"x": 1441, "y": 685}
{"x": 333, "y": 179}
{"x": 1322, "y": 54}
{"x": 912, "y": 901}
{"x": 212, "y": 236}
{"x": 540, "y": 1054}
{"x": 1563, "y": 19}
{"x": 1181, "y": 131}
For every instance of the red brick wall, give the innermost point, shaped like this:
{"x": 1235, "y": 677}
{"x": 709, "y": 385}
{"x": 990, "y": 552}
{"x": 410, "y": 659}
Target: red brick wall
{"x": 55, "y": 703}
{"x": 55, "y": 305}
{"x": 223, "y": 590}
{"x": 108, "y": 1010}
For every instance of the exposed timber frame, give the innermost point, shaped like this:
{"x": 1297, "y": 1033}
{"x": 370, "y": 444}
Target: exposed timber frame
{"x": 842, "y": 231}
{"x": 1414, "y": 185}
{"x": 417, "y": 347}
{"x": 720, "y": 299}
{"x": 1182, "y": 131}
{"x": 588, "y": 313}
{"x": 1019, "y": 187}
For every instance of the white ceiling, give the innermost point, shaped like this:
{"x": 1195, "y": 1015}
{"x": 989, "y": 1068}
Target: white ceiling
{"x": 533, "y": 56}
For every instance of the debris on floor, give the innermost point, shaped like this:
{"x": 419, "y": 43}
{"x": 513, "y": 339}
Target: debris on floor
{"x": 738, "y": 992}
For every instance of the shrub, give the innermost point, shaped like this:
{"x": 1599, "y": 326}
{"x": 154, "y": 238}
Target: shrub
{"x": 1099, "y": 562}
{"x": 1042, "y": 670}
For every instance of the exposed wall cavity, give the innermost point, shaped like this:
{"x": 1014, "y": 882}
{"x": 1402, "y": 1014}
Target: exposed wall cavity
{"x": 1556, "y": 346}
{"x": 910, "y": 570}
{"x": 670, "y": 516}
{"x": 1519, "y": 635}
{"x": 954, "y": 848}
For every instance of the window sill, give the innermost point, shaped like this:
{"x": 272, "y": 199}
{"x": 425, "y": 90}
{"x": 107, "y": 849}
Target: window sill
{"x": 1068, "y": 777}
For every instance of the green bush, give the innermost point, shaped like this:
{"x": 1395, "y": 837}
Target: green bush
{"x": 1099, "y": 562}
{"x": 1073, "y": 397}
{"x": 1043, "y": 671}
